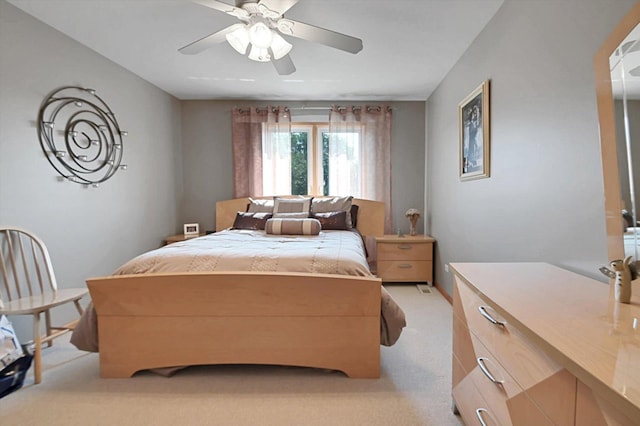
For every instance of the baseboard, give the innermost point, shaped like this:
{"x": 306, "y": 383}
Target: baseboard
{"x": 443, "y": 293}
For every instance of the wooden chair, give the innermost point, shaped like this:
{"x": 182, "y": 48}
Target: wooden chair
{"x": 28, "y": 287}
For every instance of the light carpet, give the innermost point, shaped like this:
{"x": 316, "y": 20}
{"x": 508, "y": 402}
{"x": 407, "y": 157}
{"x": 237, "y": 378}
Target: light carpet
{"x": 414, "y": 387}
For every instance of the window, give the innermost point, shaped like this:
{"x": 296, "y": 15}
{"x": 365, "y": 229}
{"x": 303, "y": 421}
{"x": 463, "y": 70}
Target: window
{"x": 311, "y": 160}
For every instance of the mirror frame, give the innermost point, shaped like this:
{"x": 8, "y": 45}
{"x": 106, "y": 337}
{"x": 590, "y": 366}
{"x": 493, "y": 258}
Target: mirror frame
{"x": 606, "y": 118}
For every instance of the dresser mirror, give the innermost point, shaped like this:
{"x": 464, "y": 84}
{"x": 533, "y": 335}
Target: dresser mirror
{"x": 625, "y": 83}
{"x": 617, "y": 69}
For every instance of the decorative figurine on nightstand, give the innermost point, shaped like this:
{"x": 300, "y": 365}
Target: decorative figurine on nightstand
{"x": 624, "y": 272}
{"x": 413, "y": 215}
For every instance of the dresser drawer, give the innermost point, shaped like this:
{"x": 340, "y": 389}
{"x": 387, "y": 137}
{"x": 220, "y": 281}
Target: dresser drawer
{"x": 546, "y": 382}
{"x": 469, "y": 401}
{"x": 477, "y": 406}
{"x": 525, "y": 361}
{"x": 405, "y": 270}
{"x": 404, "y": 251}
{"x": 506, "y": 400}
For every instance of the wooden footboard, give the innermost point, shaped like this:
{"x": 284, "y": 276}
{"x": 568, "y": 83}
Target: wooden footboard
{"x": 164, "y": 320}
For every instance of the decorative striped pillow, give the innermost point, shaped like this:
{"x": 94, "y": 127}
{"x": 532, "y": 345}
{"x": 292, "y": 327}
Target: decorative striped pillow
{"x": 306, "y": 226}
{"x": 291, "y": 207}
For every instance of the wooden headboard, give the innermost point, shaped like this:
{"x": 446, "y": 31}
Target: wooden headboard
{"x": 370, "y": 214}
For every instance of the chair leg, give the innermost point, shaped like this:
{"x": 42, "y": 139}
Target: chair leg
{"x": 37, "y": 351}
{"x": 47, "y": 320}
{"x": 78, "y": 306}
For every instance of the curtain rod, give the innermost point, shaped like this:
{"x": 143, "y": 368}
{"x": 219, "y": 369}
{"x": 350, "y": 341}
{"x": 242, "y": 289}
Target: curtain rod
{"x": 302, "y": 108}
{"x": 353, "y": 107}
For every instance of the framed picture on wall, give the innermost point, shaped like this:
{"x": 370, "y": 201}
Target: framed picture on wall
{"x": 191, "y": 229}
{"x": 473, "y": 119}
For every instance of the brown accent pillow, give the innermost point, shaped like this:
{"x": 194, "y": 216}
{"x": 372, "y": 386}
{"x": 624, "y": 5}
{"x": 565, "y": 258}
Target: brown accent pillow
{"x": 251, "y": 220}
{"x": 354, "y": 215}
{"x": 332, "y": 220}
{"x": 306, "y": 226}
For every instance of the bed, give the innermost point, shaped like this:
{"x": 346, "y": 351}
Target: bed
{"x": 155, "y": 312}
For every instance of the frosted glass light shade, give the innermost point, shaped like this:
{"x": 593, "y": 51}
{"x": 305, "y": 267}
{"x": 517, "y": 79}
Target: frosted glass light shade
{"x": 280, "y": 46}
{"x": 260, "y": 35}
{"x": 255, "y": 39}
{"x": 239, "y": 40}
{"x": 259, "y": 54}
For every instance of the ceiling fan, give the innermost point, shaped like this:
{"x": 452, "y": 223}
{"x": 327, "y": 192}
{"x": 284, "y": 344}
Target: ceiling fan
{"x": 258, "y": 36}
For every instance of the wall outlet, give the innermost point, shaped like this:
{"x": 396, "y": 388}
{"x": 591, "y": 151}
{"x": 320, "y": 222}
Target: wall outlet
{"x": 446, "y": 267}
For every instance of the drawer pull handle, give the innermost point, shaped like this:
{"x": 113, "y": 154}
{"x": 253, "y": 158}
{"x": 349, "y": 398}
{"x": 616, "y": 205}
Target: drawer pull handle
{"x": 483, "y": 366}
{"x": 480, "y": 412}
{"x": 405, "y": 266}
{"x": 487, "y": 315}
{"x": 405, "y": 247}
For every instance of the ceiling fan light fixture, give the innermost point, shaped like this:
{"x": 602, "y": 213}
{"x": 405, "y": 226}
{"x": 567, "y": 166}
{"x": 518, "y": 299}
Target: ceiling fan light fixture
{"x": 239, "y": 40}
{"x": 280, "y": 46}
{"x": 260, "y": 35}
{"x": 259, "y": 54}
{"x": 285, "y": 26}
{"x": 268, "y": 13}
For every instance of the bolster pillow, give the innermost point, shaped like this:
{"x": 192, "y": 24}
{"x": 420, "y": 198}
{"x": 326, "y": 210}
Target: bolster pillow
{"x": 288, "y": 226}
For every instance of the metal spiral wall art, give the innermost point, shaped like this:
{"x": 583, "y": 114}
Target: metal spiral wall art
{"x": 80, "y": 136}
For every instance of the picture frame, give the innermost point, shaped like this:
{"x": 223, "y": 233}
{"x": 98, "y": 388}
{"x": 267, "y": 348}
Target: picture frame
{"x": 474, "y": 133}
{"x": 191, "y": 229}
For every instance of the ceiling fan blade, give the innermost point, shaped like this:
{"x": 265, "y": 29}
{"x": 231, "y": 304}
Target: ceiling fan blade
{"x": 208, "y": 41}
{"x": 224, "y": 7}
{"x": 319, "y": 35}
{"x": 630, "y": 46}
{"x": 280, "y": 6}
{"x": 284, "y": 65}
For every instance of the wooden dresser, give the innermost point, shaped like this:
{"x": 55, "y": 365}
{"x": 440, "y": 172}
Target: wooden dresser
{"x": 405, "y": 259}
{"x": 534, "y": 344}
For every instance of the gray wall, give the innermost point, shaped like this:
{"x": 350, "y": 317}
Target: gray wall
{"x": 89, "y": 231}
{"x": 544, "y": 199}
{"x": 208, "y": 154}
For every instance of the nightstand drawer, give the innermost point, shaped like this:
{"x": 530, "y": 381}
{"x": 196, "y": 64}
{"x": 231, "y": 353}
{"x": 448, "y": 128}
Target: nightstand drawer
{"x": 405, "y": 270}
{"x": 404, "y": 251}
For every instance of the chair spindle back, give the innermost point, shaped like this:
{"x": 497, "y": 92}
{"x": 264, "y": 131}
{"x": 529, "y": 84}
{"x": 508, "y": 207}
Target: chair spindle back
{"x": 25, "y": 265}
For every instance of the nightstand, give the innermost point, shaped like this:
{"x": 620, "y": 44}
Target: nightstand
{"x": 405, "y": 259}
{"x": 180, "y": 237}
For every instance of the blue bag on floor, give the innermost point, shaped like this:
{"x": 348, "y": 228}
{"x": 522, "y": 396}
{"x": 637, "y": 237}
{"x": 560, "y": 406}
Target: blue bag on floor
{"x": 12, "y": 376}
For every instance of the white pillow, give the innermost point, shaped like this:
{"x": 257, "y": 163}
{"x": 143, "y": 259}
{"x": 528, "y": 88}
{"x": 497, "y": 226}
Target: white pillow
{"x": 333, "y": 204}
{"x": 260, "y": 206}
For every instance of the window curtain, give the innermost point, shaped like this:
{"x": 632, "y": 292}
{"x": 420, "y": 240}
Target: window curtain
{"x": 251, "y": 127}
{"x": 375, "y": 154}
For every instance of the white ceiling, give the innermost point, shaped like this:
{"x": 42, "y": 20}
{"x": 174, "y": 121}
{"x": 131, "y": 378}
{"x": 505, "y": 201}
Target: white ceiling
{"x": 409, "y": 46}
